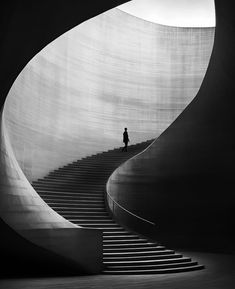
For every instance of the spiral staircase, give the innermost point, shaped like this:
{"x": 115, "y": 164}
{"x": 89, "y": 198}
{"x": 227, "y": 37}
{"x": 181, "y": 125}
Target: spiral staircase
{"x": 77, "y": 192}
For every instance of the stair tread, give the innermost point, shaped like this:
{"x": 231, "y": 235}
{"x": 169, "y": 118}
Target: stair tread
{"x": 183, "y": 259}
{"x": 154, "y": 271}
{"x": 172, "y": 265}
{"x": 82, "y": 208}
{"x": 77, "y": 192}
{"x": 124, "y": 240}
{"x": 130, "y": 244}
{"x": 143, "y": 257}
{"x": 114, "y": 254}
{"x": 121, "y": 236}
{"x": 55, "y": 202}
{"x": 97, "y": 225}
{"x": 137, "y": 248}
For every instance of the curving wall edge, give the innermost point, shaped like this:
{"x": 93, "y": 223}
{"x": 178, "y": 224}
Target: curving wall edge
{"x": 22, "y": 61}
{"x": 25, "y": 33}
{"x": 25, "y": 212}
{"x": 74, "y": 98}
{"x": 184, "y": 181}
{"x": 116, "y": 198}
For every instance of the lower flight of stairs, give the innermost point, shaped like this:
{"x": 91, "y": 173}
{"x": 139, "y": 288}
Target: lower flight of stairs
{"x": 77, "y": 192}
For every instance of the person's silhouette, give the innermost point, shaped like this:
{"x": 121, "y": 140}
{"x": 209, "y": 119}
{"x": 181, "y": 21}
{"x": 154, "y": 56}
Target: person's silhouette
{"x": 125, "y": 140}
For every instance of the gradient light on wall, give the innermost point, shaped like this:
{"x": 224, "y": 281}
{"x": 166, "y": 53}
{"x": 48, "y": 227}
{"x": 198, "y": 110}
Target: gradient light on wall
{"x": 75, "y": 97}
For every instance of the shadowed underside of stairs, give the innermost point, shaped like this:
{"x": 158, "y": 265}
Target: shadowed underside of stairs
{"x": 77, "y": 192}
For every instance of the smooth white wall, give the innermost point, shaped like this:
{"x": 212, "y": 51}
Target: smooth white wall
{"x": 75, "y": 97}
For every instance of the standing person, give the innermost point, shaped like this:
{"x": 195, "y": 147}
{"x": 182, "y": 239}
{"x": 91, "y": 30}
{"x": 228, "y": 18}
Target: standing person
{"x": 125, "y": 139}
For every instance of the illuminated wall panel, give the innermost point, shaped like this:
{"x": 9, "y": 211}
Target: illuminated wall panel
{"x": 75, "y": 97}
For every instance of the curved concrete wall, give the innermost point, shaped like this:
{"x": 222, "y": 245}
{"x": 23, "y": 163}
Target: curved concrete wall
{"x": 184, "y": 181}
{"x": 20, "y": 206}
{"x": 75, "y": 97}
{"x": 79, "y": 249}
{"x": 25, "y": 212}
{"x": 214, "y": 113}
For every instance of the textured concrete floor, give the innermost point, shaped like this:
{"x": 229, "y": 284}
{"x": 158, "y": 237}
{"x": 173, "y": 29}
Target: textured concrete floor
{"x": 219, "y": 274}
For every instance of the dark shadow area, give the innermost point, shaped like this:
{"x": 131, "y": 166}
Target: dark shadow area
{"x": 20, "y": 258}
{"x": 185, "y": 181}
{"x": 26, "y": 27}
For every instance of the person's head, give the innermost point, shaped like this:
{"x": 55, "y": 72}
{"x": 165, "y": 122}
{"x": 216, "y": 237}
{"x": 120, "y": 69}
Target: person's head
{"x": 125, "y": 129}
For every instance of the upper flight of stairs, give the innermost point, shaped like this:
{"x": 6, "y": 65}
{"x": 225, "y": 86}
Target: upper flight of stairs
{"x": 77, "y": 192}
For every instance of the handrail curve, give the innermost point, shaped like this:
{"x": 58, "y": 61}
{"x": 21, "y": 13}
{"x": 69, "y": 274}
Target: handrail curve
{"x": 115, "y": 202}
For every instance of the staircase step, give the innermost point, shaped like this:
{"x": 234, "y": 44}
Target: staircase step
{"x": 143, "y": 257}
{"x": 148, "y": 262}
{"x": 153, "y": 271}
{"x": 81, "y": 209}
{"x": 81, "y": 168}
{"x": 92, "y": 213}
{"x": 127, "y": 245}
{"x": 124, "y": 241}
{"x": 159, "y": 250}
{"x": 59, "y": 198}
{"x": 117, "y": 233}
{"x": 71, "y": 190}
{"x": 71, "y": 184}
{"x": 104, "y": 228}
{"x": 100, "y": 220}
{"x": 77, "y": 206}
{"x": 76, "y": 203}
{"x": 67, "y": 186}
{"x": 134, "y": 249}
{"x": 71, "y": 178}
{"x": 87, "y": 215}
{"x": 100, "y": 225}
{"x": 65, "y": 201}
{"x": 77, "y": 192}
{"x": 153, "y": 266}
{"x": 69, "y": 174}
{"x": 84, "y": 176}
{"x": 121, "y": 236}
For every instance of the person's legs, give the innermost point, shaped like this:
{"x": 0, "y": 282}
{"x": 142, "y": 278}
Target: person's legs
{"x": 126, "y": 143}
{"x": 123, "y": 148}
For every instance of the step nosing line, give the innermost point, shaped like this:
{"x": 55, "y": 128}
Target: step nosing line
{"x": 77, "y": 192}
